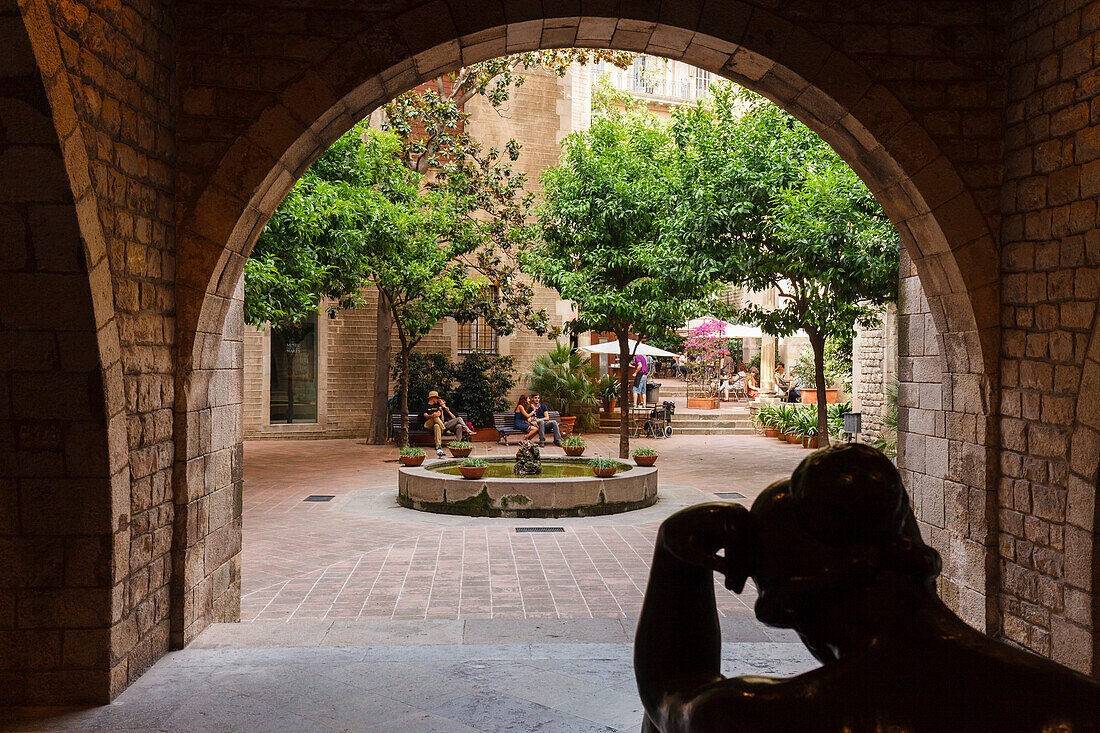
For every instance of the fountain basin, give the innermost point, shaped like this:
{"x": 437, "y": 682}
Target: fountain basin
{"x": 437, "y": 487}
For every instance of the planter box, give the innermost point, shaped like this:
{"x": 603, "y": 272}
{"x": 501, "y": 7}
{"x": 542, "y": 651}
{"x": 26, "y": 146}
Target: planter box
{"x": 809, "y": 396}
{"x": 703, "y": 403}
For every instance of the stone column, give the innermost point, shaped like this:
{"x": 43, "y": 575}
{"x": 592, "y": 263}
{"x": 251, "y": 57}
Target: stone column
{"x": 767, "y": 351}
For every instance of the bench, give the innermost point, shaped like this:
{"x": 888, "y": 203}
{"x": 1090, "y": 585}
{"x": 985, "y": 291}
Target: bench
{"x": 418, "y": 434}
{"x": 505, "y": 425}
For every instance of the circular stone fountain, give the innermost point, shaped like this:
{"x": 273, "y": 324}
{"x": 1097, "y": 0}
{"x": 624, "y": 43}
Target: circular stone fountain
{"x": 565, "y": 488}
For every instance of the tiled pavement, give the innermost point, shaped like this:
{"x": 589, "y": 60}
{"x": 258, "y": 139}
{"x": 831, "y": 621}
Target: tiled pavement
{"x": 361, "y": 556}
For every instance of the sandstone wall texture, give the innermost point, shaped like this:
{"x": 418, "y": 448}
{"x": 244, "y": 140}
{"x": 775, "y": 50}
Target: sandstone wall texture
{"x": 180, "y": 126}
{"x": 874, "y": 370}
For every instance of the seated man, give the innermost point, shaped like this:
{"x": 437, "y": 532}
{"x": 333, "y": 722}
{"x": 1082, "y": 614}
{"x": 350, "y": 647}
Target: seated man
{"x": 782, "y": 383}
{"x": 836, "y": 555}
{"x": 436, "y": 417}
{"x": 542, "y": 415}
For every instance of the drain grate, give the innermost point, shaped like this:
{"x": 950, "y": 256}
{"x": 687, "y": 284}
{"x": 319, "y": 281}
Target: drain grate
{"x": 539, "y": 529}
{"x": 729, "y": 495}
{"x": 319, "y": 497}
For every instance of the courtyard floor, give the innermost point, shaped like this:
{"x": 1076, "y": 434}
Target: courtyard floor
{"x": 361, "y": 615}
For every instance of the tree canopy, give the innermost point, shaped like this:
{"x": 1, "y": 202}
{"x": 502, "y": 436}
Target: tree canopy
{"x": 773, "y": 205}
{"x": 605, "y": 245}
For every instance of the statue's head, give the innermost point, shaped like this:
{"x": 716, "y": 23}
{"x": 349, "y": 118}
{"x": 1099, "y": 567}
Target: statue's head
{"x": 840, "y": 524}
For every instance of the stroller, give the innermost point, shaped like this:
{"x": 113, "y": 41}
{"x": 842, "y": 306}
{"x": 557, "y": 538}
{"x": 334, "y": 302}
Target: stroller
{"x": 659, "y": 422}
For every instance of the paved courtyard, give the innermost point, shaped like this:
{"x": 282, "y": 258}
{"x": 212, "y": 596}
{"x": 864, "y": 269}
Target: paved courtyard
{"x": 365, "y": 616}
{"x": 362, "y": 556}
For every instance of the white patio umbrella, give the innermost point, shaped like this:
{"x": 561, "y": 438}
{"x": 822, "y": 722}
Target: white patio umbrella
{"x": 731, "y": 330}
{"x": 612, "y": 347}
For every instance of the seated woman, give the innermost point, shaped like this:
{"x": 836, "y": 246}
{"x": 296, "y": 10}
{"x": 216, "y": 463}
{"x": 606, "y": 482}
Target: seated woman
{"x": 752, "y": 387}
{"x": 524, "y": 418}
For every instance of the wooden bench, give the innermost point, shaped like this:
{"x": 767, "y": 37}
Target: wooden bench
{"x": 418, "y": 434}
{"x": 505, "y": 425}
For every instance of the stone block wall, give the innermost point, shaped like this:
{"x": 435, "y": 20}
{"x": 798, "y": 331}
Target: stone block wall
{"x": 874, "y": 370}
{"x": 1050, "y": 264}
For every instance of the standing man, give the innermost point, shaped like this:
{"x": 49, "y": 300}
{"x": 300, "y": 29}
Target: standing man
{"x": 436, "y": 417}
{"x": 542, "y": 415}
{"x": 641, "y": 370}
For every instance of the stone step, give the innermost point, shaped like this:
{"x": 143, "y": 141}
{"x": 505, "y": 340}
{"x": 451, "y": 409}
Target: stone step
{"x": 692, "y": 423}
{"x": 678, "y": 430}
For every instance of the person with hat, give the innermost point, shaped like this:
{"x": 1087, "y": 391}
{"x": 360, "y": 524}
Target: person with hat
{"x": 436, "y": 417}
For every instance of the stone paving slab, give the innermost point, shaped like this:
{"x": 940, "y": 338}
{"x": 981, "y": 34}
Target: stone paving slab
{"x": 445, "y": 688}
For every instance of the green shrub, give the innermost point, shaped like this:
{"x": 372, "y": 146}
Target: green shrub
{"x": 460, "y": 445}
{"x": 427, "y": 371}
{"x": 474, "y": 462}
{"x": 767, "y": 416}
{"x": 835, "y": 413}
{"x": 806, "y": 421}
{"x": 484, "y": 381}
{"x": 601, "y": 462}
{"x": 573, "y": 441}
{"x": 564, "y": 377}
{"x": 645, "y": 452}
{"x": 410, "y": 450}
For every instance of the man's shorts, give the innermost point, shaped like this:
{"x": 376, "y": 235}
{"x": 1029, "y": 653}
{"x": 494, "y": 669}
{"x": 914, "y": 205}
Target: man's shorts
{"x": 639, "y": 383}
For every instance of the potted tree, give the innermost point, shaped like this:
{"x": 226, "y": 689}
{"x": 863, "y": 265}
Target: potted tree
{"x": 573, "y": 445}
{"x": 603, "y": 467}
{"x": 473, "y": 468}
{"x": 708, "y": 346}
{"x": 412, "y": 456}
{"x": 608, "y": 391}
{"x": 645, "y": 456}
{"x": 460, "y": 448}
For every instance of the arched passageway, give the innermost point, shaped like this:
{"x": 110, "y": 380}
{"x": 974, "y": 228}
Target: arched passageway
{"x": 971, "y": 124}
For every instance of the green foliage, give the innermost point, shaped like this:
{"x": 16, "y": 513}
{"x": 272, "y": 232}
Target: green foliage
{"x": 670, "y": 341}
{"x": 484, "y": 381}
{"x": 574, "y": 441}
{"x": 776, "y": 207}
{"x": 563, "y": 377}
{"x": 766, "y": 416}
{"x": 409, "y": 450}
{"x": 602, "y": 462}
{"x": 805, "y": 422}
{"x": 474, "y": 463}
{"x": 836, "y": 417}
{"x": 605, "y": 246}
{"x": 837, "y": 369}
{"x": 645, "y": 452}
{"x": 460, "y": 444}
{"x": 428, "y": 370}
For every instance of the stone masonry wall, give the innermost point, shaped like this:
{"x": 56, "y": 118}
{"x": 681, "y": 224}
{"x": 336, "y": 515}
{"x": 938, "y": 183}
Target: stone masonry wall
{"x": 874, "y": 368}
{"x": 1050, "y": 264}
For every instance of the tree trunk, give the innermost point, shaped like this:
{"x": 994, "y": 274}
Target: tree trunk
{"x": 817, "y": 341}
{"x": 289, "y": 384}
{"x": 403, "y": 436}
{"x": 380, "y": 399}
{"x": 624, "y": 395}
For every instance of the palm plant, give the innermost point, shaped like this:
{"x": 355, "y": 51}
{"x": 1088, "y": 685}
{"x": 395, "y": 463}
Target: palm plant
{"x": 806, "y": 421}
{"x": 564, "y": 377}
{"x": 786, "y": 419}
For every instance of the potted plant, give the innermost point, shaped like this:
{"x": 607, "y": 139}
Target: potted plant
{"x": 784, "y": 421}
{"x": 574, "y": 445}
{"x": 473, "y": 468}
{"x": 412, "y": 456}
{"x": 607, "y": 388}
{"x": 807, "y": 427}
{"x": 603, "y": 467}
{"x": 645, "y": 456}
{"x": 460, "y": 448}
{"x": 707, "y": 346}
{"x": 766, "y": 419}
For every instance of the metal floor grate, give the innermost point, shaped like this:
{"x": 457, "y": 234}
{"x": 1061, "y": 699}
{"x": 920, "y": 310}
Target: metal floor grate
{"x": 540, "y": 529}
{"x": 319, "y": 497}
{"x": 728, "y": 495}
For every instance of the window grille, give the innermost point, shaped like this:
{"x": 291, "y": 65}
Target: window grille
{"x": 474, "y": 336}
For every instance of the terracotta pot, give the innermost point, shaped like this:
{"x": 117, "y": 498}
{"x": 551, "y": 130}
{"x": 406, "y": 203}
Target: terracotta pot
{"x": 567, "y": 422}
{"x": 472, "y": 472}
{"x": 781, "y": 436}
{"x": 645, "y": 460}
{"x": 610, "y": 405}
{"x": 604, "y": 472}
{"x": 574, "y": 450}
{"x": 460, "y": 452}
{"x": 809, "y": 396}
{"x": 703, "y": 403}
{"x": 412, "y": 460}
{"x": 794, "y": 439}
{"x": 809, "y": 442}
{"x": 770, "y": 432}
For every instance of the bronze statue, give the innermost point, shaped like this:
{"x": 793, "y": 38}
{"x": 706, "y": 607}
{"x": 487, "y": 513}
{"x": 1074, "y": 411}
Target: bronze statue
{"x": 836, "y": 555}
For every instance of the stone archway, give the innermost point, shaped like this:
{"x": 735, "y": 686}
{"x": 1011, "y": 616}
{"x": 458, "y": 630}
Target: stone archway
{"x": 64, "y": 488}
{"x": 946, "y": 234}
